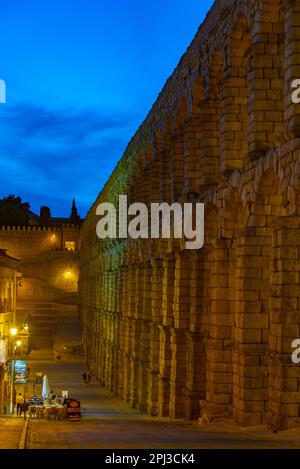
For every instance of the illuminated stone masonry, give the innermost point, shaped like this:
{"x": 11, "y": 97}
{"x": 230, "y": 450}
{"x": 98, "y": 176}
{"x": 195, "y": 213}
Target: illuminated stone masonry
{"x": 49, "y": 280}
{"x": 207, "y": 334}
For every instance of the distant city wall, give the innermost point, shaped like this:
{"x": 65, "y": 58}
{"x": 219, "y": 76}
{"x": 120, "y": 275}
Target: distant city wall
{"x": 23, "y": 242}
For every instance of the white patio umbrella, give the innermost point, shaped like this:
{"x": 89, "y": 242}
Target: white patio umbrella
{"x": 46, "y": 388}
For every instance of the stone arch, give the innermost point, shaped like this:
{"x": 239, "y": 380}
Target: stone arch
{"x": 235, "y": 94}
{"x": 268, "y": 200}
{"x": 234, "y": 215}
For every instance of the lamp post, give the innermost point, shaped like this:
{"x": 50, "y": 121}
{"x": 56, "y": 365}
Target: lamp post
{"x": 13, "y": 333}
{"x": 24, "y": 335}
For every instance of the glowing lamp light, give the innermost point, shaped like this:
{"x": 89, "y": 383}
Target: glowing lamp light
{"x": 25, "y": 327}
{"x": 67, "y": 274}
{"x": 13, "y": 331}
{"x": 18, "y": 343}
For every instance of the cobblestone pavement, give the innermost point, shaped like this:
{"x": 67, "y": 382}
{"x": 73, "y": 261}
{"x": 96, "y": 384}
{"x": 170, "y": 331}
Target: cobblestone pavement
{"x": 108, "y": 423}
{"x": 10, "y": 432}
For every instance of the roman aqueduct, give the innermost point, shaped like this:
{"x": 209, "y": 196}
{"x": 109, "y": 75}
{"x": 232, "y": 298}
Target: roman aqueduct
{"x": 207, "y": 334}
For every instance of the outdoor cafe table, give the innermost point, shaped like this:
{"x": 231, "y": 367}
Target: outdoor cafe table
{"x": 57, "y": 410}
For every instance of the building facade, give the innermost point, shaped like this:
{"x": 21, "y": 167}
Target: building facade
{"x": 8, "y": 290}
{"x": 47, "y": 294}
{"x": 207, "y": 334}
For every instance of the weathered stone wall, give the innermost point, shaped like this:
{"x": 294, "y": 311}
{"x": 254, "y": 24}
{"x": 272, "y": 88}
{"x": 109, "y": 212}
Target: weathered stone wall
{"x": 23, "y": 242}
{"x": 46, "y": 266}
{"x": 58, "y": 268}
{"x": 208, "y": 333}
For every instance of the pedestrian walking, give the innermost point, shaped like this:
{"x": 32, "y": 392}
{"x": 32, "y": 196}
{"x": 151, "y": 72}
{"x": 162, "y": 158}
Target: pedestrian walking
{"x": 89, "y": 378}
{"x": 14, "y": 400}
{"x": 4, "y": 407}
{"x": 84, "y": 377}
{"x": 24, "y": 408}
{"x": 39, "y": 377}
{"x": 20, "y": 402}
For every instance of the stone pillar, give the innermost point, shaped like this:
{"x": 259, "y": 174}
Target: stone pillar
{"x": 181, "y": 302}
{"x": 145, "y": 337}
{"x": 195, "y": 375}
{"x": 177, "y": 165}
{"x": 196, "y": 353}
{"x": 134, "y": 376}
{"x": 266, "y": 83}
{"x": 210, "y": 116}
{"x": 181, "y": 309}
{"x": 123, "y": 331}
{"x": 192, "y": 155}
{"x": 218, "y": 401}
{"x": 284, "y": 388}
{"x": 128, "y": 333}
{"x": 165, "y": 180}
{"x": 178, "y": 374}
{"x": 234, "y": 121}
{"x": 156, "y": 306}
{"x": 292, "y": 65}
{"x": 250, "y": 358}
{"x": 165, "y": 353}
{"x": 136, "y": 335}
{"x": 116, "y": 330}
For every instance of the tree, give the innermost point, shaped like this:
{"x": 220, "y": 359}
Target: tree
{"x": 14, "y": 212}
{"x": 74, "y": 217}
{"x": 45, "y": 216}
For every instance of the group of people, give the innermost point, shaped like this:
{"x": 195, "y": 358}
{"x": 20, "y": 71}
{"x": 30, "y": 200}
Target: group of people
{"x": 23, "y": 406}
{"x": 57, "y": 399}
{"x": 87, "y": 377}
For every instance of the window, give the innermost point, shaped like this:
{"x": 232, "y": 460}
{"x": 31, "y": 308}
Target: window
{"x": 70, "y": 245}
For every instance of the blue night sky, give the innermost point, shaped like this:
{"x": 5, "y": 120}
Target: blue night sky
{"x": 81, "y": 76}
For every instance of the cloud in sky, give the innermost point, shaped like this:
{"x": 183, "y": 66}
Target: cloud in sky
{"x": 53, "y": 155}
{"x": 78, "y": 89}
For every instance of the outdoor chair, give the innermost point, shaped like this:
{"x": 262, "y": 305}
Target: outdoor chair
{"x": 32, "y": 411}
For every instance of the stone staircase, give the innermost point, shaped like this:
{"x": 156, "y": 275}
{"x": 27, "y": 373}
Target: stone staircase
{"x": 29, "y": 389}
{"x": 40, "y": 316}
{"x": 41, "y": 354}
